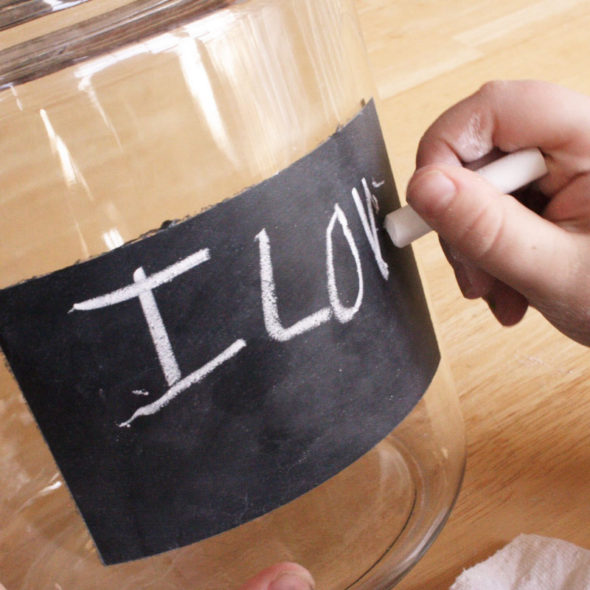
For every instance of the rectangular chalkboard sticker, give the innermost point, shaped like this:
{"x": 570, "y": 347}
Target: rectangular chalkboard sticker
{"x": 256, "y": 349}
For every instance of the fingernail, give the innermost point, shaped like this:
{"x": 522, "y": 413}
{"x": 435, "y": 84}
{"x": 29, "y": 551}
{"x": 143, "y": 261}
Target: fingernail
{"x": 290, "y": 581}
{"x": 430, "y": 193}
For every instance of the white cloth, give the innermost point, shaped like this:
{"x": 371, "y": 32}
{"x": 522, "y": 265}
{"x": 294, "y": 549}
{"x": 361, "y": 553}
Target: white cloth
{"x": 530, "y": 562}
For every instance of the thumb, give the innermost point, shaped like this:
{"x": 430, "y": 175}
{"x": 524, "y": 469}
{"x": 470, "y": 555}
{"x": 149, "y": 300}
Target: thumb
{"x": 281, "y": 576}
{"x": 493, "y": 230}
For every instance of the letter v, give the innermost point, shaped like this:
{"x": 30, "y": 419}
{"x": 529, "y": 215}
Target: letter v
{"x": 370, "y": 227}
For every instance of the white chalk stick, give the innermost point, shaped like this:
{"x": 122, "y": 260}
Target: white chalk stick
{"x": 507, "y": 174}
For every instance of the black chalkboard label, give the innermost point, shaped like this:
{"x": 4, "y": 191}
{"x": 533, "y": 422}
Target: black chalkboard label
{"x": 252, "y": 351}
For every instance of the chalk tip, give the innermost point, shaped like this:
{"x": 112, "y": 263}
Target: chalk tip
{"x": 404, "y": 226}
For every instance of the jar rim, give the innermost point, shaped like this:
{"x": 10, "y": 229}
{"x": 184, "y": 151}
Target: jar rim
{"x": 17, "y": 12}
{"x": 54, "y": 51}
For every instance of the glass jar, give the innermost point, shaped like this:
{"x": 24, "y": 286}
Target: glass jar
{"x": 118, "y": 117}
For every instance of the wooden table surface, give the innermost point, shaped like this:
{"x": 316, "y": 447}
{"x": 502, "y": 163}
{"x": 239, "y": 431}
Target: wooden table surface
{"x": 524, "y": 391}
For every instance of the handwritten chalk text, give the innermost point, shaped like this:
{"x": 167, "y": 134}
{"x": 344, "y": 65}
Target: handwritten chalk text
{"x": 143, "y": 286}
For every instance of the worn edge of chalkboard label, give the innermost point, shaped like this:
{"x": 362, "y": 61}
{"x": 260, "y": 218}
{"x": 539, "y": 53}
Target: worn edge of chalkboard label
{"x": 254, "y": 350}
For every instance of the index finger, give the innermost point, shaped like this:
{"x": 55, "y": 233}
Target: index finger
{"x": 511, "y": 115}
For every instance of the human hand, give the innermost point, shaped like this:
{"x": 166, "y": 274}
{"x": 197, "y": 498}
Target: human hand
{"x": 282, "y": 576}
{"x": 501, "y": 250}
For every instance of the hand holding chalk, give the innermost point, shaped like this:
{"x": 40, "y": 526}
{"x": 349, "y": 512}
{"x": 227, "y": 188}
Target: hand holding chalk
{"x": 501, "y": 251}
{"x": 507, "y": 174}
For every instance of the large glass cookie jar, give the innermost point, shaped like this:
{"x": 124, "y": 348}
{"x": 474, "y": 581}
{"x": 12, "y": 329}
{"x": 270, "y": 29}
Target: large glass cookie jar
{"x": 215, "y": 357}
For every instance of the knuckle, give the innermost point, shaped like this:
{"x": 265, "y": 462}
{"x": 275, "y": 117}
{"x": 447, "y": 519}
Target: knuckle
{"x": 492, "y": 88}
{"x": 483, "y": 233}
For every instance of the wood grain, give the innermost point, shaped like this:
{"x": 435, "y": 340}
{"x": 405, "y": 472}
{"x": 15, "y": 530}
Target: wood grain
{"x": 524, "y": 390}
